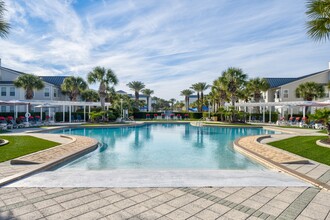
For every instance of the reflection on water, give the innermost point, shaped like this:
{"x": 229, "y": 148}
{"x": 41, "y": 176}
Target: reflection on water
{"x": 164, "y": 146}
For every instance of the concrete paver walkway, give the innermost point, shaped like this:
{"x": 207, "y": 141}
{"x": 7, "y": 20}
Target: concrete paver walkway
{"x": 165, "y": 203}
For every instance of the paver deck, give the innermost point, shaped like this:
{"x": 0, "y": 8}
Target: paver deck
{"x": 165, "y": 203}
{"x": 170, "y": 203}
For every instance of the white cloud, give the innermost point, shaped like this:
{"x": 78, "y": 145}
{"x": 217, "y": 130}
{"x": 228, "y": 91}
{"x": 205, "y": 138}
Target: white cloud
{"x": 167, "y": 44}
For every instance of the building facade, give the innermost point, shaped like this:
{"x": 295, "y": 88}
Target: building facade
{"x": 284, "y": 89}
{"x": 51, "y": 91}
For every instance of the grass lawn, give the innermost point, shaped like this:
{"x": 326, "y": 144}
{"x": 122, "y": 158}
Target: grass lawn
{"x": 22, "y": 145}
{"x": 295, "y": 127}
{"x": 305, "y": 146}
{"x": 231, "y": 124}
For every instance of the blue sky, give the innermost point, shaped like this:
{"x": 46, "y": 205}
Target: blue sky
{"x": 168, "y": 45}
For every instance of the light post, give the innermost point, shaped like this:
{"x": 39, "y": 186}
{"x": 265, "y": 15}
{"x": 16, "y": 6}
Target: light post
{"x": 121, "y": 107}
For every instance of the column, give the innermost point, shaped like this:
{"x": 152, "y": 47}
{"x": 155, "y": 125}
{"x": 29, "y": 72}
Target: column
{"x": 304, "y": 111}
{"x": 263, "y": 113}
{"x": 84, "y": 113}
{"x": 89, "y": 111}
{"x": 41, "y": 114}
{"x": 63, "y": 109}
{"x": 270, "y": 114}
{"x": 70, "y": 113}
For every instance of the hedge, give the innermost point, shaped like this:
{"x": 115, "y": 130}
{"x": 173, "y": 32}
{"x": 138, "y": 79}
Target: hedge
{"x": 142, "y": 115}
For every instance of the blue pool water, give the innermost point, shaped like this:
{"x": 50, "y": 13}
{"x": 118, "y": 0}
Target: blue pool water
{"x": 164, "y": 146}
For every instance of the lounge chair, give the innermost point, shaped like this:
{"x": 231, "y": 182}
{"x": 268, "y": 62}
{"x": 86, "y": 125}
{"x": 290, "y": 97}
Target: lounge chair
{"x": 14, "y": 124}
{"x": 3, "y": 123}
{"x": 319, "y": 126}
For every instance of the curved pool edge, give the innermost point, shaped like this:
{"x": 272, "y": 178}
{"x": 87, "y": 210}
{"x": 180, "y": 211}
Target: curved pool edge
{"x": 79, "y": 146}
{"x": 275, "y": 165}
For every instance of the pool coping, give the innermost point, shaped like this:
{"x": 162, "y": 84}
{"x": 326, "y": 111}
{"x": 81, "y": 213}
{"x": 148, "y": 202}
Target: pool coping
{"x": 275, "y": 165}
{"x": 51, "y": 163}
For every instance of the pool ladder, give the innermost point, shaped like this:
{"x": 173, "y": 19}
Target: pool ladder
{"x": 199, "y": 123}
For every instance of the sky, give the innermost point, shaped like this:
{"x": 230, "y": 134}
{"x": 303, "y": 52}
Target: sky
{"x": 168, "y": 45}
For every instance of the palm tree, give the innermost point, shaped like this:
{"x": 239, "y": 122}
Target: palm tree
{"x": 73, "y": 87}
{"x": 172, "y": 100}
{"x": 4, "y": 26}
{"x": 234, "y": 81}
{"x": 257, "y": 86}
{"x": 309, "y": 91}
{"x": 186, "y": 93}
{"x": 324, "y": 116}
{"x": 197, "y": 88}
{"x": 203, "y": 86}
{"x": 90, "y": 95}
{"x": 29, "y": 82}
{"x": 318, "y": 12}
{"x": 106, "y": 78}
{"x": 148, "y": 93}
{"x": 219, "y": 89}
{"x": 136, "y": 86}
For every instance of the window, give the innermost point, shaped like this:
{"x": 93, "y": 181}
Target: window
{"x": 12, "y": 91}
{"x": 3, "y": 108}
{"x": 285, "y": 93}
{"x": 11, "y": 108}
{"x": 46, "y": 92}
{"x": 55, "y": 92}
{"x": 3, "y": 91}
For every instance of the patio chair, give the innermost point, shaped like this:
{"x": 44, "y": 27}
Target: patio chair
{"x": 178, "y": 116}
{"x": 148, "y": 116}
{"x": 3, "y": 123}
{"x": 14, "y": 124}
{"x": 186, "y": 116}
{"x": 297, "y": 121}
{"x": 319, "y": 126}
{"x": 155, "y": 116}
{"x": 79, "y": 118}
{"x": 73, "y": 118}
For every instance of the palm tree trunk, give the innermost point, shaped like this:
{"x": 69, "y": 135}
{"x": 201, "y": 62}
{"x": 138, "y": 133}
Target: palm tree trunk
{"x": 198, "y": 104}
{"x": 102, "y": 99}
{"x": 147, "y": 103}
{"x": 233, "y": 106}
{"x": 188, "y": 104}
{"x": 202, "y": 99}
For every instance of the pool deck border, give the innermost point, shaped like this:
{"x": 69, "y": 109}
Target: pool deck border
{"x": 47, "y": 164}
{"x": 273, "y": 164}
{"x": 46, "y": 159}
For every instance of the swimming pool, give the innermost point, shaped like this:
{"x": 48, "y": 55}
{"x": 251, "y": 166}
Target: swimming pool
{"x": 164, "y": 146}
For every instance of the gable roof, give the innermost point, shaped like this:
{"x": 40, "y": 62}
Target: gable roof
{"x": 11, "y": 70}
{"x": 55, "y": 80}
{"x": 276, "y": 82}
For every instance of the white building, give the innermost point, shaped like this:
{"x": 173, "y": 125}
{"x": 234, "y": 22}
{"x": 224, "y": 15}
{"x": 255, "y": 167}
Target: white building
{"x": 51, "y": 91}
